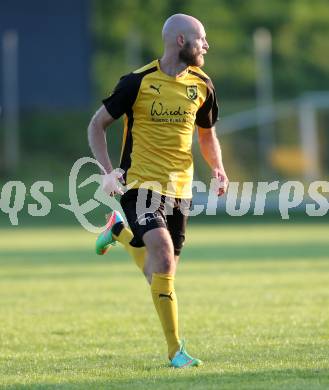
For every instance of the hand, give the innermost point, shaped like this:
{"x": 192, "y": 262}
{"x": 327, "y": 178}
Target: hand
{"x": 221, "y": 177}
{"x": 111, "y": 182}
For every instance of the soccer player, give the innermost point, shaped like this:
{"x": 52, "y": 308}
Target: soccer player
{"x": 162, "y": 103}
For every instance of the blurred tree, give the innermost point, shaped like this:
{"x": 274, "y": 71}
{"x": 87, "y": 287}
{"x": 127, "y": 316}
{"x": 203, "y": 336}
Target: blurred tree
{"x": 127, "y": 34}
{"x": 299, "y": 28}
{"x": 301, "y": 47}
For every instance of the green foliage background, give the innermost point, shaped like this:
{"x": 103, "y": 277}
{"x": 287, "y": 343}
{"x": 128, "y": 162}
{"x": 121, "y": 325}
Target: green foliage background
{"x": 299, "y": 28}
{"x": 127, "y": 34}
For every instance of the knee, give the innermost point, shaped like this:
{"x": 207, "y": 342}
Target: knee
{"x": 166, "y": 259}
{"x": 163, "y": 259}
{"x": 160, "y": 250}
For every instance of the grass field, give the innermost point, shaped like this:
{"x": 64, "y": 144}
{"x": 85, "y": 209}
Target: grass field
{"x": 254, "y": 306}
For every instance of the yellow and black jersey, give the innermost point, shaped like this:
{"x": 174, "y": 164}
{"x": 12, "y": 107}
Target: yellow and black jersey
{"x": 160, "y": 116}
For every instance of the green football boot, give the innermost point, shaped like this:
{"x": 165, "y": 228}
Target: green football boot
{"x": 105, "y": 240}
{"x": 183, "y": 360}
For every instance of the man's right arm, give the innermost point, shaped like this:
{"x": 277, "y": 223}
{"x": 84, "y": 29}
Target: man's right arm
{"x": 114, "y": 106}
{"x": 97, "y": 137}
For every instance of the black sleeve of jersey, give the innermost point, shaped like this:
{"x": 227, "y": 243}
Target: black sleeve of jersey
{"x": 124, "y": 95}
{"x": 207, "y": 114}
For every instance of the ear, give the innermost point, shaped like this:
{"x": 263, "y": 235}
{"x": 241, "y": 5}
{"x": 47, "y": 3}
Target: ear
{"x": 180, "y": 40}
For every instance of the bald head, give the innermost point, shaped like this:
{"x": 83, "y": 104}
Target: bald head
{"x": 180, "y": 25}
{"x": 184, "y": 41}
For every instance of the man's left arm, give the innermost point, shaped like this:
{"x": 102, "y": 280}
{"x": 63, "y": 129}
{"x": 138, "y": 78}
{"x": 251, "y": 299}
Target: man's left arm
{"x": 211, "y": 152}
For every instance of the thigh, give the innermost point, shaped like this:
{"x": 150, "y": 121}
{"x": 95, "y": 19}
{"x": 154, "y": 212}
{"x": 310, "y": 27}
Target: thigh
{"x": 177, "y": 221}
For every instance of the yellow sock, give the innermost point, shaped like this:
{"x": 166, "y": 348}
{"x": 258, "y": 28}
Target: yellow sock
{"x": 138, "y": 254}
{"x": 165, "y": 302}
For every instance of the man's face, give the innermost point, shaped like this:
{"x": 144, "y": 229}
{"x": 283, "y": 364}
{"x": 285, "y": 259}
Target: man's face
{"x": 194, "y": 48}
